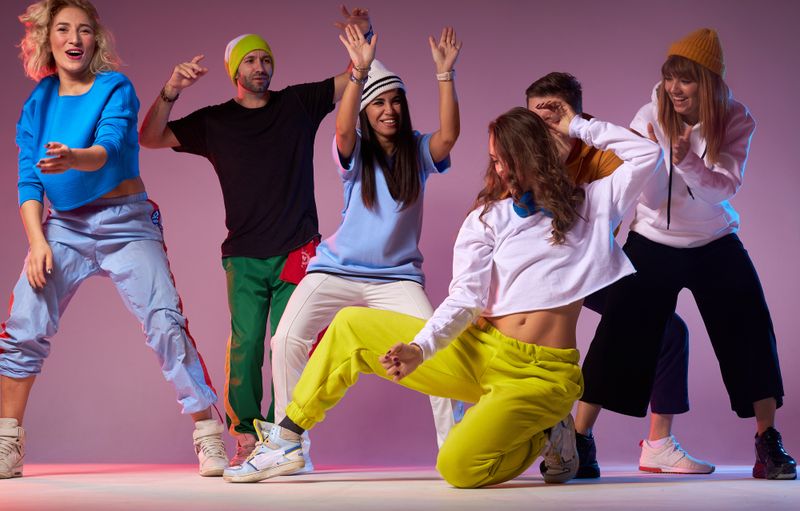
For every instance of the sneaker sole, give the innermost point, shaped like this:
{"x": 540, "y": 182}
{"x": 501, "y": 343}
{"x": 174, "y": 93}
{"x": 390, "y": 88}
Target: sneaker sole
{"x": 15, "y": 472}
{"x": 674, "y": 470}
{"x": 212, "y": 472}
{"x": 588, "y": 472}
{"x": 254, "y": 477}
{"x": 760, "y": 472}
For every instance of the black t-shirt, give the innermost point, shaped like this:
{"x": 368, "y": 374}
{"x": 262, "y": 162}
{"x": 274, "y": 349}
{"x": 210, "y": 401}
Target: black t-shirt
{"x": 264, "y": 159}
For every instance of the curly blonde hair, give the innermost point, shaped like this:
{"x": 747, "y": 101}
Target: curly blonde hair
{"x": 35, "y": 52}
{"x": 524, "y": 144}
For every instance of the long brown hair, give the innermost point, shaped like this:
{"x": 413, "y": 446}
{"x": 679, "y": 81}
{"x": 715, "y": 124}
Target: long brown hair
{"x": 522, "y": 141}
{"x": 402, "y": 174}
{"x": 713, "y": 98}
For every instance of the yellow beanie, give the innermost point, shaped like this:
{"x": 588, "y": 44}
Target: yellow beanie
{"x": 701, "y": 46}
{"x": 241, "y": 46}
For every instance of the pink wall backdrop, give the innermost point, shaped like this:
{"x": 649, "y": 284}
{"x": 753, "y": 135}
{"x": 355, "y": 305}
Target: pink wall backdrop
{"x": 101, "y": 397}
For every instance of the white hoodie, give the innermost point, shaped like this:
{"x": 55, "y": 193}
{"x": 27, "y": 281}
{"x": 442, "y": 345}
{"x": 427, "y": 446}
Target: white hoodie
{"x": 700, "y": 210}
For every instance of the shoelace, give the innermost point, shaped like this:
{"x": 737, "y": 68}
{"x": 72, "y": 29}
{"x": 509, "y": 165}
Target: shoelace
{"x": 775, "y": 446}
{"x": 212, "y": 447}
{"x": 255, "y": 450}
{"x": 8, "y": 446}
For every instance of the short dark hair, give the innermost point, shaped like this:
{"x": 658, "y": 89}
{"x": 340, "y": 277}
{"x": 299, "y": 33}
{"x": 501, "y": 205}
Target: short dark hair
{"x": 561, "y": 85}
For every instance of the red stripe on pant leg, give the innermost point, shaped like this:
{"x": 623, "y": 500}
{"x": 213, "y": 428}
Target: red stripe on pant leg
{"x": 206, "y": 376}
{"x": 3, "y": 333}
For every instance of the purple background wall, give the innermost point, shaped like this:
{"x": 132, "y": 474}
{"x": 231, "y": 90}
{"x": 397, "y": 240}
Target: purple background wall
{"x": 101, "y": 397}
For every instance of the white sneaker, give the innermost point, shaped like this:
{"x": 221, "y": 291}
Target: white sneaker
{"x": 209, "y": 447}
{"x": 671, "y": 458}
{"x": 279, "y": 453}
{"x": 12, "y": 448}
{"x": 560, "y": 454}
{"x": 305, "y": 443}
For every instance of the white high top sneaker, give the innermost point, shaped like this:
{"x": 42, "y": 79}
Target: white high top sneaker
{"x": 278, "y": 452}
{"x": 12, "y": 448}
{"x": 209, "y": 447}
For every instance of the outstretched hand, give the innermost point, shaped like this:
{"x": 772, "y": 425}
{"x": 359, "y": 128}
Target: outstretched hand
{"x": 358, "y": 17}
{"x": 401, "y": 360}
{"x": 445, "y": 52}
{"x": 186, "y": 74}
{"x": 61, "y": 159}
{"x": 361, "y": 52}
{"x": 557, "y": 114}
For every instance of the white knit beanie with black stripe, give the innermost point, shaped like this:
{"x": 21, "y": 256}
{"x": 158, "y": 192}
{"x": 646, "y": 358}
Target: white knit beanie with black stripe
{"x": 379, "y": 80}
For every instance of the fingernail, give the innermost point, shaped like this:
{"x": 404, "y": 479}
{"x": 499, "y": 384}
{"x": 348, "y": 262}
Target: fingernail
{"x": 49, "y": 271}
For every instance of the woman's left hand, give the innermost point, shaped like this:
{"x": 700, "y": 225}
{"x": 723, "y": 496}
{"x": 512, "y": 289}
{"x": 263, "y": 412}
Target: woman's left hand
{"x": 62, "y": 158}
{"x": 401, "y": 360}
{"x": 361, "y": 52}
{"x": 446, "y": 51}
{"x": 680, "y": 147}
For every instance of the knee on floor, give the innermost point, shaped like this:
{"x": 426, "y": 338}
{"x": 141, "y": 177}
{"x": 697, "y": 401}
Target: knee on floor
{"x": 457, "y": 469}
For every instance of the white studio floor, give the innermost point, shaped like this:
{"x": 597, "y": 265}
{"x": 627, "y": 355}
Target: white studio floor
{"x": 178, "y": 487}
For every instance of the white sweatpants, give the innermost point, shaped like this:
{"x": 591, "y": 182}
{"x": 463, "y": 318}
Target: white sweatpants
{"x": 314, "y": 303}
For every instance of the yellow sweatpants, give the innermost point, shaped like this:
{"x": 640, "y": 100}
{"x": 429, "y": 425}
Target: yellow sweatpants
{"x": 519, "y": 389}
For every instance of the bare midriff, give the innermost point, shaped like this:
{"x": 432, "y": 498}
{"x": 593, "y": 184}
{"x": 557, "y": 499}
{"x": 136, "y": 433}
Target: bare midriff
{"x": 128, "y": 187}
{"x": 554, "y": 327}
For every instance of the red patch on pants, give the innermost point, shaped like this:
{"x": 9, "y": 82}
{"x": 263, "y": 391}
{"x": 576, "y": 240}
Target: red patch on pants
{"x": 297, "y": 262}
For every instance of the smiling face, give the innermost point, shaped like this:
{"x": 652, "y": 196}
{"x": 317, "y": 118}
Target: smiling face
{"x": 255, "y": 71}
{"x": 683, "y": 93}
{"x": 385, "y": 114}
{"x": 72, "y": 42}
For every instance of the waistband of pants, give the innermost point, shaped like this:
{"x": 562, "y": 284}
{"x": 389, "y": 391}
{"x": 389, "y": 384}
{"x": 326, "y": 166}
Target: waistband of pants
{"x": 118, "y": 201}
{"x": 569, "y": 355}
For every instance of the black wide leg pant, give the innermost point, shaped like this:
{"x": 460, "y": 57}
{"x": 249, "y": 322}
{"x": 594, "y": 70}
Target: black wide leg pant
{"x": 620, "y": 366}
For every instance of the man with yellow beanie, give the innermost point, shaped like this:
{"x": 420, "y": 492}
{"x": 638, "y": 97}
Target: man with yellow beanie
{"x": 261, "y": 144}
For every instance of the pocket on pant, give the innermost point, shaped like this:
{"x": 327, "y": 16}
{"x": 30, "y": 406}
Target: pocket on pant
{"x": 294, "y": 269}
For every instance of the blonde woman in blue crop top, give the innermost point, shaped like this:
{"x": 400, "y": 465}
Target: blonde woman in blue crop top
{"x": 504, "y": 338}
{"x": 78, "y": 146}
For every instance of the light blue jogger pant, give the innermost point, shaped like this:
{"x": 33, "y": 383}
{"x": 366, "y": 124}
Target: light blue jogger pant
{"x": 121, "y": 239}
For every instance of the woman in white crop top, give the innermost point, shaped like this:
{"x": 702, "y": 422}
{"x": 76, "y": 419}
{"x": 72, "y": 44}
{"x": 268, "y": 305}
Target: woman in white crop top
{"x": 504, "y": 338}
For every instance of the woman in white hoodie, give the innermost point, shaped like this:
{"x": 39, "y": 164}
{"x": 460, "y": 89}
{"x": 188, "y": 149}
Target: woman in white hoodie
{"x": 684, "y": 236}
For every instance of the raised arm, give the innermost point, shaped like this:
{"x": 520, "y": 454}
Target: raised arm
{"x": 445, "y": 53}
{"x": 359, "y": 18}
{"x": 362, "y": 53}
{"x": 154, "y": 132}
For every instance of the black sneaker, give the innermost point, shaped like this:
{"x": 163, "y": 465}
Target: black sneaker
{"x": 772, "y": 460}
{"x": 587, "y": 457}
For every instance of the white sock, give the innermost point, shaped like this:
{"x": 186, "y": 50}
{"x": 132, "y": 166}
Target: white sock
{"x": 655, "y": 444}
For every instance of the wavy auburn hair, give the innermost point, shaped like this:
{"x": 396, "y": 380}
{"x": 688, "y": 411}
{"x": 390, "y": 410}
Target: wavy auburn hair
{"x": 713, "y": 96}
{"x": 523, "y": 143}
{"x": 35, "y": 52}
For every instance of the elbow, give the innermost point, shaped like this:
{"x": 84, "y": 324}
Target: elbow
{"x": 145, "y": 140}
